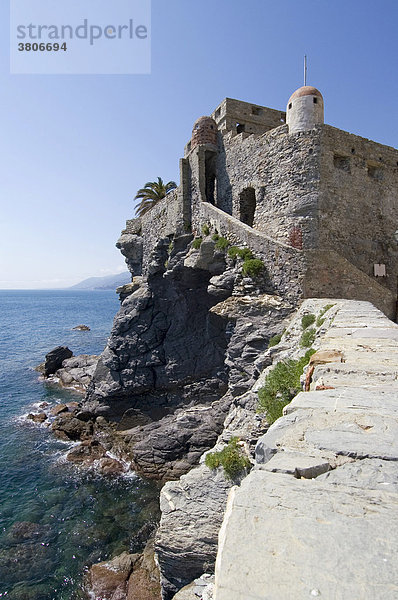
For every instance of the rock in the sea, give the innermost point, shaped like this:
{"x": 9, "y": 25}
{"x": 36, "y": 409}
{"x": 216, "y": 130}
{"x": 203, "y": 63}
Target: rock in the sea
{"x": 54, "y": 359}
{"x": 37, "y": 418}
{"x": 86, "y": 453}
{"x": 58, "y": 409}
{"x": 144, "y": 582}
{"x": 77, "y": 371}
{"x": 110, "y": 466}
{"x": 108, "y": 580}
{"x": 126, "y": 577}
{"x": 67, "y": 427}
{"x": 82, "y": 328}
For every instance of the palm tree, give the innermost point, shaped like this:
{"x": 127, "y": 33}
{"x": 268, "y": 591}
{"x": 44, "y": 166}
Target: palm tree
{"x": 151, "y": 193}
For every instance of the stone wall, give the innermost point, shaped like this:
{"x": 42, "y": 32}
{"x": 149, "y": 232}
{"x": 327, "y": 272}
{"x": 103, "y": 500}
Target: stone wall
{"x": 358, "y": 202}
{"x": 165, "y": 219}
{"x": 252, "y": 118}
{"x": 330, "y": 275}
{"x": 285, "y": 265}
{"x": 283, "y": 170}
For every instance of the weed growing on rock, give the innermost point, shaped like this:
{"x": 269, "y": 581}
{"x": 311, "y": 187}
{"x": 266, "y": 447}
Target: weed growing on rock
{"x": 307, "y": 338}
{"x": 243, "y": 253}
{"x": 307, "y": 320}
{"x": 196, "y": 243}
{"x": 215, "y": 237}
{"x": 222, "y": 243}
{"x": 274, "y": 341}
{"x": 320, "y": 320}
{"x": 252, "y": 267}
{"x": 205, "y": 229}
{"x": 281, "y": 385}
{"x": 232, "y": 458}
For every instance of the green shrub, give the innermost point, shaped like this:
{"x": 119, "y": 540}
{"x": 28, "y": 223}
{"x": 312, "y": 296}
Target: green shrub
{"x": 196, "y": 243}
{"x": 307, "y": 338}
{"x": 274, "y": 341}
{"x": 252, "y": 267}
{"x": 320, "y": 321}
{"x": 307, "y": 320}
{"x": 244, "y": 253}
{"x": 233, "y": 252}
{"x": 215, "y": 237}
{"x": 325, "y": 309}
{"x": 205, "y": 229}
{"x": 222, "y": 243}
{"x": 281, "y": 385}
{"x": 171, "y": 246}
{"x": 231, "y": 458}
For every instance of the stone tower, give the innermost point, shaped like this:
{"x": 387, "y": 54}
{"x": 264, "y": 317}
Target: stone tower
{"x": 304, "y": 109}
{"x": 204, "y": 132}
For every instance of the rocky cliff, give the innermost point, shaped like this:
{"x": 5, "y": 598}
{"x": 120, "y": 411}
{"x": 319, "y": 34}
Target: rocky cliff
{"x": 191, "y": 346}
{"x": 187, "y": 340}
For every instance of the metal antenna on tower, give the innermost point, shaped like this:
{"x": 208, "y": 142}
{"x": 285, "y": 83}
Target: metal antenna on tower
{"x": 305, "y": 69}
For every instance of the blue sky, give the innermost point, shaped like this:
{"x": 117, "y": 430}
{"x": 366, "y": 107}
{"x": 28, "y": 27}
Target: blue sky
{"x": 75, "y": 148}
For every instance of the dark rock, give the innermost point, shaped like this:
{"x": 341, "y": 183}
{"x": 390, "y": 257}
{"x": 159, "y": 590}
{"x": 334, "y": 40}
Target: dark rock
{"x": 131, "y": 245}
{"x": 133, "y": 418}
{"x": 110, "y": 466}
{"x": 82, "y": 328}
{"x": 168, "y": 448}
{"x": 164, "y": 342}
{"x": 108, "y": 580}
{"x": 25, "y": 530}
{"x": 37, "y": 418}
{"x": 84, "y": 415}
{"x": 58, "y": 409}
{"x": 67, "y": 426}
{"x": 144, "y": 582}
{"x": 85, "y": 454}
{"x": 55, "y": 358}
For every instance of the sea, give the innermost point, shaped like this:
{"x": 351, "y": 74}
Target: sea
{"x": 56, "y": 520}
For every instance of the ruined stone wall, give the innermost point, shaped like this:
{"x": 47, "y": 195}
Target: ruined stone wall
{"x": 328, "y": 274}
{"x": 359, "y": 202}
{"x": 163, "y": 220}
{"x": 232, "y": 114}
{"x": 283, "y": 170}
{"x": 285, "y": 265}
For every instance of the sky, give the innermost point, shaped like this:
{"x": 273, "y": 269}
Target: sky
{"x": 75, "y": 148}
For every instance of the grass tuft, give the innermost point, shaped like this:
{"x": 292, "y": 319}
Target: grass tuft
{"x": 307, "y": 320}
{"x": 281, "y": 385}
{"x": 252, "y": 267}
{"x": 232, "y": 458}
{"x": 197, "y": 243}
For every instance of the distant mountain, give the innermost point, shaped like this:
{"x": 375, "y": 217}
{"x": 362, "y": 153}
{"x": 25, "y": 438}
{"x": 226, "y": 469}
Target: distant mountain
{"x": 109, "y": 282}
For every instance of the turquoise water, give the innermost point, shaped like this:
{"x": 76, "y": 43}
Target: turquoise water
{"x": 55, "y": 520}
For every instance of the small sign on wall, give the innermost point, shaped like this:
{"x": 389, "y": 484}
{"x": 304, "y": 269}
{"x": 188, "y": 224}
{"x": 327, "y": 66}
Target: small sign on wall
{"x": 379, "y": 270}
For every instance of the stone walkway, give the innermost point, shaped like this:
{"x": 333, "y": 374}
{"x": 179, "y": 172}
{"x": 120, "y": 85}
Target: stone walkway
{"x": 318, "y": 515}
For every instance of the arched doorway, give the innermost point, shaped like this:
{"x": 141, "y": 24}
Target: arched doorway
{"x": 247, "y": 206}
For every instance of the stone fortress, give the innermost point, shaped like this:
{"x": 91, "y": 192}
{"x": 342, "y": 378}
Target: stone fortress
{"x": 190, "y": 349}
{"x": 315, "y": 203}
